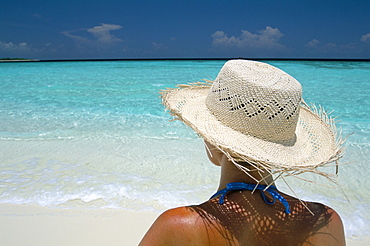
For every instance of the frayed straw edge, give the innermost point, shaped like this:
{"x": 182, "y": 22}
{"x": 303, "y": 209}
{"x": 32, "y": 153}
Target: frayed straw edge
{"x": 302, "y": 202}
{"x": 329, "y": 121}
{"x": 199, "y": 84}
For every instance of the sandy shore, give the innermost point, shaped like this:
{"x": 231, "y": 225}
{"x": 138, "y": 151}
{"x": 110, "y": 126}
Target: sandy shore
{"x": 34, "y": 225}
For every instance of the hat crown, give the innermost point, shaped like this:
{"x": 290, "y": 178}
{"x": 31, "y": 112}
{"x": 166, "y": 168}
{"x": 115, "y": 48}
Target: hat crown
{"x": 256, "y": 99}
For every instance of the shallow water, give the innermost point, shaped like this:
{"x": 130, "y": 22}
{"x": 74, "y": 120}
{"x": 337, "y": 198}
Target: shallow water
{"x": 94, "y": 134}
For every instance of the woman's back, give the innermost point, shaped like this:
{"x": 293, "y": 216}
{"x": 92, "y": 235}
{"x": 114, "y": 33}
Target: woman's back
{"x": 246, "y": 219}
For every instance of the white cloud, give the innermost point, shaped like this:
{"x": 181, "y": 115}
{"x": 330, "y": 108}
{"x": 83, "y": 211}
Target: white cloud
{"x": 331, "y": 46}
{"x": 102, "y": 35}
{"x": 313, "y": 43}
{"x": 221, "y": 39}
{"x": 267, "y": 38}
{"x": 11, "y": 47}
{"x": 365, "y": 38}
{"x": 316, "y": 47}
{"x": 76, "y": 38}
{"x": 158, "y": 46}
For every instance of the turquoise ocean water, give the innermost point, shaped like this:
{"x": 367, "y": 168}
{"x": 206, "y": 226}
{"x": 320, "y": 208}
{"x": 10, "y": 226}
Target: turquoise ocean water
{"x": 94, "y": 134}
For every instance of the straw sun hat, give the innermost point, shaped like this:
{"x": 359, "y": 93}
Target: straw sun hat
{"x": 254, "y": 113}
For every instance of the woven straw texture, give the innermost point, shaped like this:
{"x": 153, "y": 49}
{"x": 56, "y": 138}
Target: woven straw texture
{"x": 254, "y": 113}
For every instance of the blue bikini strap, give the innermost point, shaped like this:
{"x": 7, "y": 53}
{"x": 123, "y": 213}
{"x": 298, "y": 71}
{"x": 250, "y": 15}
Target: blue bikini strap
{"x": 244, "y": 186}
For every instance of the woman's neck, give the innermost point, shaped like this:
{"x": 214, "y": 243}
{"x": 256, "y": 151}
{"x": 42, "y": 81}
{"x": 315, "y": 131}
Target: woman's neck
{"x": 230, "y": 173}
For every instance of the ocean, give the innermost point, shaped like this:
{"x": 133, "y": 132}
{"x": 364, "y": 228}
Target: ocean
{"x": 93, "y": 134}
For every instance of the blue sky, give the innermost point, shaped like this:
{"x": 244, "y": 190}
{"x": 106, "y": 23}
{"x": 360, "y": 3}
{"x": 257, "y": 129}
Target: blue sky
{"x": 95, "y": 29}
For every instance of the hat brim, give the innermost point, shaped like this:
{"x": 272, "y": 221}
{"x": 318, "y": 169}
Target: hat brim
{"x": 316, "y": 139}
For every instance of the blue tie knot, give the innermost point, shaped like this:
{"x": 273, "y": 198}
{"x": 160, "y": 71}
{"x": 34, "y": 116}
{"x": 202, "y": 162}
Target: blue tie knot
{"x": 244, "y": 186}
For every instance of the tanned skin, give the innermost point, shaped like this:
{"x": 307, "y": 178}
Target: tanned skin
{"x": 245, "y": 218}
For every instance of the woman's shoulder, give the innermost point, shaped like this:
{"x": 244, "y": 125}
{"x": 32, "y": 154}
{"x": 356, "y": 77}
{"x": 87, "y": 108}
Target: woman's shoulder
{"x": 180, "y": 217}
{"x": 323, "y": 222}
{"x": 177, "y": 226}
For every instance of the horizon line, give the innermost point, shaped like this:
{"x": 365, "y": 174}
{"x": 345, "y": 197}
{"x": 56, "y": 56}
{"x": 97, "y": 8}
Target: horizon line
{"x": 180, "y": 59}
